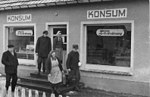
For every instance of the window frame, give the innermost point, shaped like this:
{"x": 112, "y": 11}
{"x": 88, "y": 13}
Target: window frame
{"x": 5, "y": 41}
{"x": 103, "y": 68}
{"x": 60, "y": 24}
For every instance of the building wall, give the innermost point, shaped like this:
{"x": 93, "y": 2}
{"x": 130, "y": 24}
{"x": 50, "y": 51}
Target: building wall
{"x": 75, "y": 14}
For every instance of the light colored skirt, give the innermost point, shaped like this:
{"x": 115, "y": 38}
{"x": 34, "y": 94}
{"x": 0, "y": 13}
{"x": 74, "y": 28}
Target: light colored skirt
{"x": 55, "y": 75}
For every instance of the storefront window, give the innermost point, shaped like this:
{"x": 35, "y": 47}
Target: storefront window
{"x": 109, "y": 44}
{"x": 23, "y": 39}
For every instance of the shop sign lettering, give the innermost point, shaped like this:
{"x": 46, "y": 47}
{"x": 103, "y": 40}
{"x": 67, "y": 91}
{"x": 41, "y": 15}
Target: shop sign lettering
{"x": 19, "y": 18}
{"x": 107, "y": 13}
{"x": 24, "y": 33}
{"x": 110, "y": 32}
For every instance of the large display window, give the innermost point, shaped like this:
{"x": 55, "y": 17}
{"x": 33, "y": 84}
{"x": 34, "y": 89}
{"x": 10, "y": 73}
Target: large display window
{"x": 23, "y": 39}
{"x": 22, "y": 36}
{"x": 107, "y": 46}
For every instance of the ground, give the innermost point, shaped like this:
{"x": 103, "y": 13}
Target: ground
{"x": 85, "y": 92}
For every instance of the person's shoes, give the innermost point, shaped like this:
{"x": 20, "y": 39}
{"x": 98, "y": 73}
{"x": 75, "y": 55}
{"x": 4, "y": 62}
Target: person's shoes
{"x": 71, "y": 93}
{"x": 12, "y": 94}
{"x": 77, "y": 89}
{"x": 5, "y": 93}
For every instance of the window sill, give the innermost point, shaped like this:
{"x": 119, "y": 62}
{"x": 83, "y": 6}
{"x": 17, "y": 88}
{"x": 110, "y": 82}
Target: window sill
{"x": 110, "y": 72}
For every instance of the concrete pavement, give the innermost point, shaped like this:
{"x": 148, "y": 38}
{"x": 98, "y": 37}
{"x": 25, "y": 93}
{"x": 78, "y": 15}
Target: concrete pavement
{"x": 85, "y": 92}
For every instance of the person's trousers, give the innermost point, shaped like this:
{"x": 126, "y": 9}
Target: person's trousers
{"x": 55, "y": 87}
{"x": 77, "y": 78}
{"x": 41, "y": 60}
{"x": 11, "y": 78}
{"x": 74, "y": 77}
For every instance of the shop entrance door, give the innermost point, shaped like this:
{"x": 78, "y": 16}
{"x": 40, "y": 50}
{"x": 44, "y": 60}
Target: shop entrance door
{"x": 53, "y": 29}
{"x": 22, "y": 37}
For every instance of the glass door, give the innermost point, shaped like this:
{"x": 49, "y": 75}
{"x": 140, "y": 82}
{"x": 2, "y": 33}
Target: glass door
{"x": 53, "y": 30}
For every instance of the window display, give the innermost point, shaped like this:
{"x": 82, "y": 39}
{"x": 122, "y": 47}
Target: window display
{"x": 109, "y": 44}
{"x": 23, "y": 39}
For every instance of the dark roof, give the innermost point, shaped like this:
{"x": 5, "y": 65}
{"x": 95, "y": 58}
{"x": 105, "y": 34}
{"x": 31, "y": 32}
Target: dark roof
{"x": 18, "y": 4}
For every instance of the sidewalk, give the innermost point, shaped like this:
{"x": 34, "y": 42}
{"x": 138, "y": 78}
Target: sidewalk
{"x": 22, "y": 70}
{"x": 85, "y": 92}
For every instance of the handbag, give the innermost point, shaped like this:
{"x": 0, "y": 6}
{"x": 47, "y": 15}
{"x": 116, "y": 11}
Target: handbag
{"x": 64, "y": 78}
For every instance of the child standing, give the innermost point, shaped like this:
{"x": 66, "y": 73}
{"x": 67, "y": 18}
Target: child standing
{"x": 73, "y": 67}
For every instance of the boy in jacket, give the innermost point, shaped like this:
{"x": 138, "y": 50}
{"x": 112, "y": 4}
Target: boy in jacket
{"x": 73, "y": 67}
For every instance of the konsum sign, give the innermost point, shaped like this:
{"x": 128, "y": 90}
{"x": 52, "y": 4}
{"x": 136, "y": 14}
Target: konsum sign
{"x": 107, "y": 13}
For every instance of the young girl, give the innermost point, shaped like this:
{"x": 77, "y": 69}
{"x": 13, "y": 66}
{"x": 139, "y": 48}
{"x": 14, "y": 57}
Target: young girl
{"x": 54, "y": 68}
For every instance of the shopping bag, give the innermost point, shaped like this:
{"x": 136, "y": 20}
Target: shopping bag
{"x": 64, "y": 78}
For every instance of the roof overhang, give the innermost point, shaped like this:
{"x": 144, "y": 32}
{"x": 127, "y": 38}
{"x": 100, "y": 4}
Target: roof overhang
{"x": 19, "y": 4}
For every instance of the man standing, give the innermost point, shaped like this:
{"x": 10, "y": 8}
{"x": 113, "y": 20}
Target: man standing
{"x": 43, "y": 47}
{"x": 73, "y": 66}
{"x": 9, "y": 59}
{"x": 58, "y": 46}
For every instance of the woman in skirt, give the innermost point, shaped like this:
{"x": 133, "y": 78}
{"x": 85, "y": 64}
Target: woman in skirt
{"x": 54, "y": 69}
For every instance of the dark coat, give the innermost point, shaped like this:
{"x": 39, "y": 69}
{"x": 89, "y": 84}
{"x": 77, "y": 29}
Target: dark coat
{"x": 72, "y": 63}
{"x": 10, "y": 61}
{"x": 72, "y": 60}
{"x": 49, "y": 64}
{"x": 57, "y": 43}
{"x": 43, "y": 46}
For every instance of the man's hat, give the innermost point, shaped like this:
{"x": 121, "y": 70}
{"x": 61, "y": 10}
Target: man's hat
{"x": 45, "y": 32}
{"x": 10, "y": 46}
{"x": 75, "y": 46}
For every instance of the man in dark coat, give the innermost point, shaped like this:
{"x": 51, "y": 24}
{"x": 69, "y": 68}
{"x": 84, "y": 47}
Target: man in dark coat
{"x": 73, "y": 66}
{"x": 9, "y": 59}
{"x": 43, "y": 47}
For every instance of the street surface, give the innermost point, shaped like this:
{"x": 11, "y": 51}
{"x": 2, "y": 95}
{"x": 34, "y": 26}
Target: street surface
{"x": 86, "y": 92}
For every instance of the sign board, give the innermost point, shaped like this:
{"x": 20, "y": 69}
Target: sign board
{"x": 110, "y": 32}
{"x": 107, "y": 13}
{"x": 19, "y": 18}
{"x": 24, "y": 33}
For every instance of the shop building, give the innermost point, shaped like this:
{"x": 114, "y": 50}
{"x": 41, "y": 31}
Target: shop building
{"x": 113, "y": 36}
